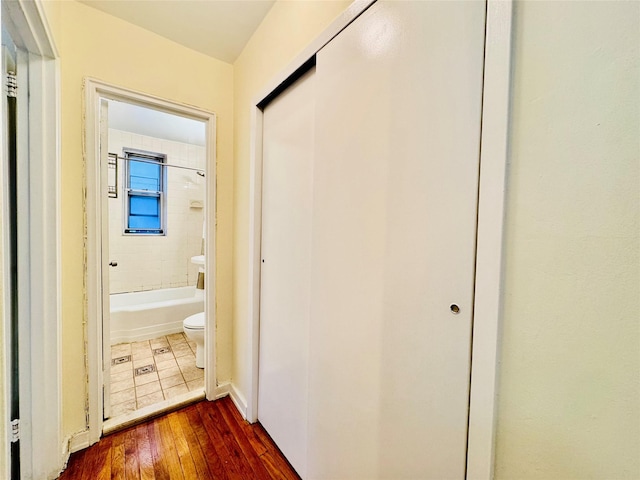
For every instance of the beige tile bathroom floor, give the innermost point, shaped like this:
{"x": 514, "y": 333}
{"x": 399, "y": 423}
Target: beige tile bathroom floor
{"x": 144, "y": 373}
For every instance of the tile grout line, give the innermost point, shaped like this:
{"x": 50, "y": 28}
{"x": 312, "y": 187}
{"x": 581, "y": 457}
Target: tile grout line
{"x": 160, "y": 342}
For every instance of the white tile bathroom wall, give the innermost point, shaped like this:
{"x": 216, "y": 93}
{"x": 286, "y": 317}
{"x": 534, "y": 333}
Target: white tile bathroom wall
{"x": 154, "y": 262}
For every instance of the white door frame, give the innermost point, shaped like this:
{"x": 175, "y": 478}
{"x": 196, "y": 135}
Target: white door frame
{"x": 94, "y": 90}
{"x": 494, "y": 153}
{"x": 488, "y": 281}
{"x": 42, "y": 450}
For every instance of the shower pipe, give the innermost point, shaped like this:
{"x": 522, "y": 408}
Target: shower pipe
{"x": 138, "y": 159}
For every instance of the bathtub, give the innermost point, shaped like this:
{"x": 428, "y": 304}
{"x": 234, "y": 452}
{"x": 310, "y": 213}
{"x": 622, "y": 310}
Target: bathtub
{"x": 141, "y": 316}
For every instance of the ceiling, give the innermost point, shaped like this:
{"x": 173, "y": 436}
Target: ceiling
{"x": 154, "y": 123}
{"x": 217, "y": 28}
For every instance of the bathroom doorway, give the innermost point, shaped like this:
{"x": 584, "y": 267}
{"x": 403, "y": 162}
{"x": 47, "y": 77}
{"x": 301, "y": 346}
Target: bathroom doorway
{"x": 154, "y": 202}
{"x": 155, "y": 206}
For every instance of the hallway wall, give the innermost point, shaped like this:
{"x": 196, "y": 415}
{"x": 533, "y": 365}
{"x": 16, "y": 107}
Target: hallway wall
{"x": 95, "y": 44}
{"x": 569, "y": 395}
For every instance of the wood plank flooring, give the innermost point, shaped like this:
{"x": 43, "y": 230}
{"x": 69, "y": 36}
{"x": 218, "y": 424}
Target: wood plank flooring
{"x": 207, "y": 440}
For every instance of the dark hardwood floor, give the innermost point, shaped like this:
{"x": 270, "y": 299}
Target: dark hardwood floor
{"x": 206, "y": 440}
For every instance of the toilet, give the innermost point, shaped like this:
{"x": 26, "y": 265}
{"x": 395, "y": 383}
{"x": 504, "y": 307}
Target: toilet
{"x": 193, "y": 327}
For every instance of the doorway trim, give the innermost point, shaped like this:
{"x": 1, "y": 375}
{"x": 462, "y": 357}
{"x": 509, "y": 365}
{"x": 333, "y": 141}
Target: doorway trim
{"x": 489, "y": 248}
{"x": 487, "y": 308}
{"x": 94, "y": 90}
{"x": 42, "y": 450}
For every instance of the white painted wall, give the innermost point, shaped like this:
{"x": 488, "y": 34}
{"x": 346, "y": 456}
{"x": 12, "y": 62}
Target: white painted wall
{"x": 569, "y": 396}
{"x": 154, "y": 262}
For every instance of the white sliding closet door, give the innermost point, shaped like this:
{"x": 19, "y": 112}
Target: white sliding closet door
{"x": 370, "y": 186}
{"x": 398, "y": 108}
{"x": 288, "y": 132}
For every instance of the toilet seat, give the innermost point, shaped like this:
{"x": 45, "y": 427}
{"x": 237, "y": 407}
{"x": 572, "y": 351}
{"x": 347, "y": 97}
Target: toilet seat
{"x": 194, "y": 322}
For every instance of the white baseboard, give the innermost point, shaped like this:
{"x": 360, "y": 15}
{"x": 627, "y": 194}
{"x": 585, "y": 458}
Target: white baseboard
{"x": 238, "y": 400}
{"x": 79, "y": 441}
{"x": 73, "y": 443}
{"x": 229, "y": 389}
{"x": 64, "y": 456}
{"x": 222, "y": 390}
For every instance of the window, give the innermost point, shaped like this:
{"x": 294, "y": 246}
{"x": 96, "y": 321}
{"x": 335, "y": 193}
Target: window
{"x": 145, "y": 199}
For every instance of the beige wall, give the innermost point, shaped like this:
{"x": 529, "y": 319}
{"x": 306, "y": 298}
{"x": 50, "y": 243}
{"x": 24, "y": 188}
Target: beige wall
{"x": 287, "y": 29}
{"x": 95, "y": 44}
{"x": 569, "y": 398}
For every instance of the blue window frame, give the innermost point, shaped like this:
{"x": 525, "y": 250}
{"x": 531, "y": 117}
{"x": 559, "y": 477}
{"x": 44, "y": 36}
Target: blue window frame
{"x": 145, "y": 200}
